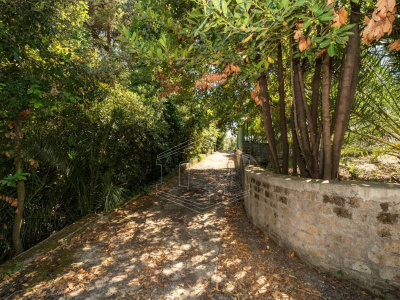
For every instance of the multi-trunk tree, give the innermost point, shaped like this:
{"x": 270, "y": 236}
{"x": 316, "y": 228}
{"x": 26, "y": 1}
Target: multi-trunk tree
{"x": 305, "y": 51}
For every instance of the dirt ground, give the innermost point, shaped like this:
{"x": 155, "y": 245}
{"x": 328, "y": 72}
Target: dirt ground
{"x": 163, "y": 247}
{"x": 383, "y": 168}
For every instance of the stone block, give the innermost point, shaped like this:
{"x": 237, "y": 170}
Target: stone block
{"x": 278, "y": 189}
{"x": 329, "y": 222}
{"x": 334, "y": 199}
{"x": 342, "y": 238}
{"x": 391, "y": 246}
{"x": 390, "y": 274}
{"x": 283, "y": 199}
{"x": 342, "y": 212}
{"x": 266, "y": 185}
{"x": 358, "y": 266}
{"x": 388, "y": 218}
{"x": 305, "y": 216}
{"x": 288, "y": 212}
{"x": 309, "y": 196}
{"x": 354, "y": 202}
{"x": 324, "y": 209}
{"x": 316, "y": 252}
{"x": 354, "y": 252}
{"x": 306, "y": 237}
{"x": 384, "y": 259}
{"x": 312, "y": 229}
{"x": 273, "y": 205}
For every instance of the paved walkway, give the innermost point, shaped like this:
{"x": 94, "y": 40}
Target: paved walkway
{"x": 155, "y": 248}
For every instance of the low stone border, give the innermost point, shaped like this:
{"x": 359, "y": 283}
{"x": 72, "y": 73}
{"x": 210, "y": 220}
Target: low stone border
{"x": 350, "y": 229}
{"x": 55, "y": 240}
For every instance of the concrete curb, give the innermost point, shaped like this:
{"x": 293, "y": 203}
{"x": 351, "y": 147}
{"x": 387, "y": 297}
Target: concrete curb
{"x": 56, "y": 239}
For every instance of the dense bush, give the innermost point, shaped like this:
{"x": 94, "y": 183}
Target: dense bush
{"x": 89, "y": 158}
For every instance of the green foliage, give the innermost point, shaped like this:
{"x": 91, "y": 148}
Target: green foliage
{"x": 104, "y": 86}
{"x": 11, "y": 180}
{"x": 353, "y": 170}
{"x": 18, "y": 266}
{"x": 37, "y": 50}
{"x": 91, "y": 158}
{"x": 376, "y": 115}
{"x": 93, "y": 124}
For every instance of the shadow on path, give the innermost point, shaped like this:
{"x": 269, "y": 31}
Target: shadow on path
{"x": 154, "y": 248}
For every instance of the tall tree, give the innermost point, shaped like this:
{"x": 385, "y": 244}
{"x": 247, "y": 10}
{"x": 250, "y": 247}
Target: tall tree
{"x": 319, "y": 37}
{"x": 33, "y": 56}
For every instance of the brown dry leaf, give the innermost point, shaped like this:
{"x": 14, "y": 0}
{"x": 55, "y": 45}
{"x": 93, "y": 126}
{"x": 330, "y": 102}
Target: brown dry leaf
{"x": 4, "y": 226}
{"x": 381, "y": 3}
{"x": 24, "y": 113}
{"x": 343, "y": 16}
{"x": 321, "y": 52}
{"x": 304, "y": 44}
{"x": 381, "y": 22}
{"x": 390, "y": 17}
{"x": 395, "y": 46}
{"x": 254, "y": 95}
{"x": 391, "y": 5}
{"x": 34, "y": 163}
{"x": 234, "y": 69}
{"x": 247, "y": 39}
{"x": 298, "y": 35}
{"x": 382, "y": 13}
{"x": 54, "y": 91}
{"x": 378, "y": 32}
{"x": 375, "y": 16}
{"x": 387, "y": 25}
{"x": 336, "y": 21}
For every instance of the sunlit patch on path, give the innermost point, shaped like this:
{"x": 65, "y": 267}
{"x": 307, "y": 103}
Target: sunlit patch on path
{"x": 157, "y": 249}
{"x": 206, "y": 186}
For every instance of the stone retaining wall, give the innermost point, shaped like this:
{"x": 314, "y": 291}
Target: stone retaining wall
{"x": 346, "y": 228}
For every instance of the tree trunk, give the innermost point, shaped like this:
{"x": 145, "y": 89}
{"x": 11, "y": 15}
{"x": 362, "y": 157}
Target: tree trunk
{"x": 326, "y": 86}
{"x": 309, "y": 123}
{"x": 282, "y": 113}
{"x": 315, "y": 94}
{"x": 300, "y": 120}
{"x": 16, "y": 235}
{"x": 269, "y": 129}
{"x": 294, "y": 159}
{"x": 297, "y": 157}
{"x": 348, "y": 84}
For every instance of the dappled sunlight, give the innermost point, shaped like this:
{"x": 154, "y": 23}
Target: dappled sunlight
{"x": 155, "y": 249}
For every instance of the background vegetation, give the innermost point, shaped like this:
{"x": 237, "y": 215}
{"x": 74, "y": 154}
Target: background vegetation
{"x": 91, "y": 119}
{"x": 91, "y": 91}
